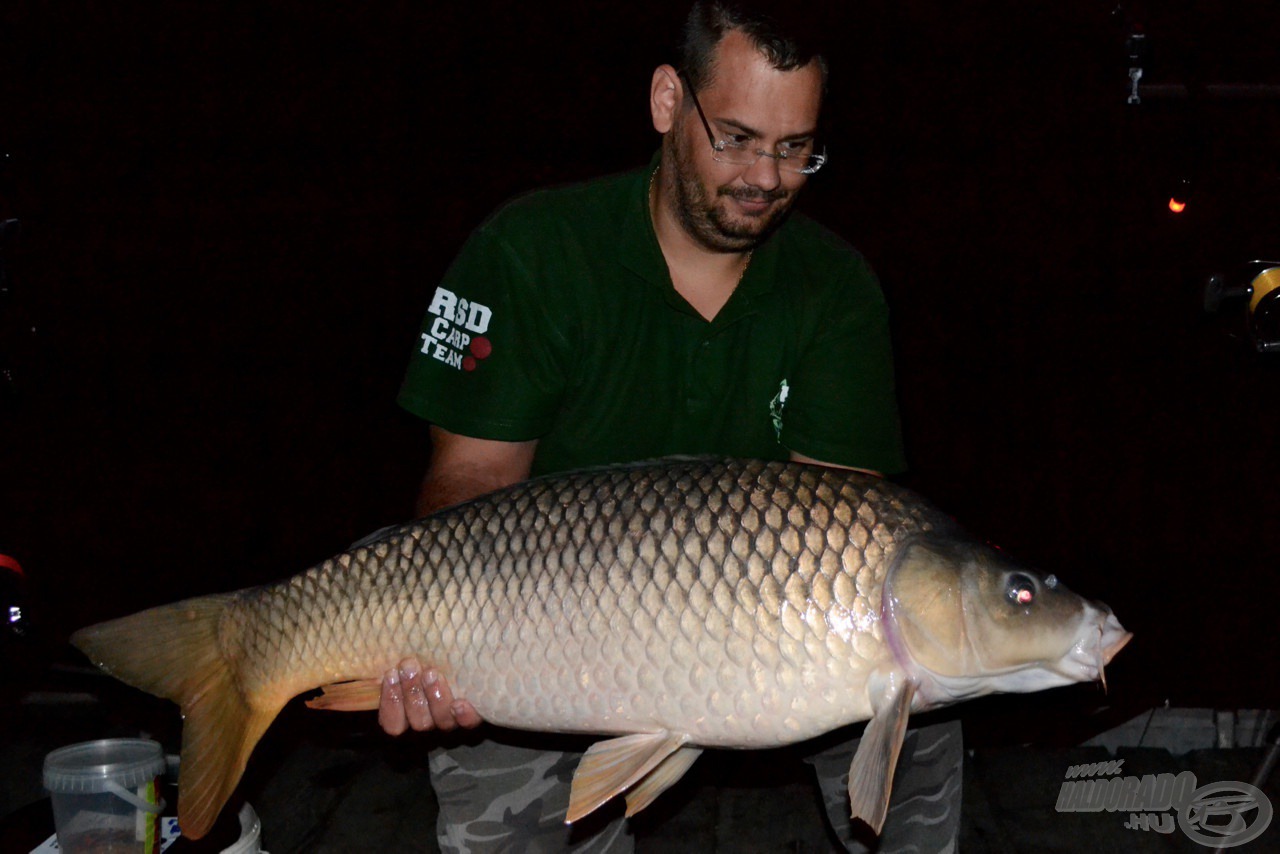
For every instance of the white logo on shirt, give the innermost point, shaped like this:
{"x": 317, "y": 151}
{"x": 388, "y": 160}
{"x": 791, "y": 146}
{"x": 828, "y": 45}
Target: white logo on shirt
{"x": 456, "y": 336}
{"x": 776, "y": 406}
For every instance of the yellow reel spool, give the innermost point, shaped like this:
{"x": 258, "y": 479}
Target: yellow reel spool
{"x": 1264, "y": 283}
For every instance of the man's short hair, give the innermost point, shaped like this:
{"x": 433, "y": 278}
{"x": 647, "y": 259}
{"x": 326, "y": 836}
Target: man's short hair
{"x": 776, "y": 29}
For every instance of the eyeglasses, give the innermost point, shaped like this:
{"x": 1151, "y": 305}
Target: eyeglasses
{"x": 793, "y": 156}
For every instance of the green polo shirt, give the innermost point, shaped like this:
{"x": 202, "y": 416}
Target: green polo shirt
{"x": 558, "y": 321}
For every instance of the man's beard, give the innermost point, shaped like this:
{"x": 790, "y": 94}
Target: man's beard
{"x": 707, "y": 222}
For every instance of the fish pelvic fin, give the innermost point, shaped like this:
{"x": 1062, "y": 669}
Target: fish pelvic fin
{"x": 657, "y": 781}
{"x": 610, "y": 767}
{"x": 360, "y": 695}
{"x": 176, "y": 652}
{"x": 871, "y": 773}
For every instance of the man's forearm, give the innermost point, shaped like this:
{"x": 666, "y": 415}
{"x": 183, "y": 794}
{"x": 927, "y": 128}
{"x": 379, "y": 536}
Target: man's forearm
{"x": 440, "y": 490}
{"x": 464, "y": 467}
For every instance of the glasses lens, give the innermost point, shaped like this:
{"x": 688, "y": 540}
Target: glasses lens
{"x": 811, "y": 163}
{"x": 737, "y": 155}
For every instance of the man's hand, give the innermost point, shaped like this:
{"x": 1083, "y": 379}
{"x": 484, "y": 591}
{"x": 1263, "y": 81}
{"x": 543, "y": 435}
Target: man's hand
{"x": 797, "y": 457}
{"x": 414, "y": 697}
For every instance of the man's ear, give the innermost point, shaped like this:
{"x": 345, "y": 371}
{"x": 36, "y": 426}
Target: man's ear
{"x": 666, "y": 94}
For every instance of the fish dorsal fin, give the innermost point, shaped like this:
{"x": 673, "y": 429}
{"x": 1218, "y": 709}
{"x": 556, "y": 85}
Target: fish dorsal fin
{"x": 871, "y": 774}
{"x": 657, "y": 781}
{"x": 610, "y": 767}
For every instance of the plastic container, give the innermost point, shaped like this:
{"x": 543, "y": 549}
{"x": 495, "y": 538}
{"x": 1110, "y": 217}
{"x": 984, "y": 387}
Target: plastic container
{"x": 105, "y": 796}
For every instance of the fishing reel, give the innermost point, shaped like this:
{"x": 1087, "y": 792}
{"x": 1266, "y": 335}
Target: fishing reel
{"x": 1258, "y": 285}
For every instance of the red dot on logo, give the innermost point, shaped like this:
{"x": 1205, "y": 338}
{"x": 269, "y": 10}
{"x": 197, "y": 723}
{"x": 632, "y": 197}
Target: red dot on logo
{"x": 481, "y": 347}
{"x": 468, "y": 363}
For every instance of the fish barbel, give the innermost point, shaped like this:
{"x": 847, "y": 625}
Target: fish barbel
{"x": 675, "y": 605}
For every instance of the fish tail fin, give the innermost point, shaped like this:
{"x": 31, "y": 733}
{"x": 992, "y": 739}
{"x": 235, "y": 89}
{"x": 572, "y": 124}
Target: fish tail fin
{"x": 219, "y": 733}
{"x": 178, "y": 652}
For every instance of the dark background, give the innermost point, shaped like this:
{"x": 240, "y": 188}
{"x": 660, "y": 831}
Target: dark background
{"x": 234, "y": 215}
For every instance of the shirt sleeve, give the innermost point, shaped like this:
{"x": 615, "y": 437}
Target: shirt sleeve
{"x": 489, "y": 362}
{"x": 841, "y": 404}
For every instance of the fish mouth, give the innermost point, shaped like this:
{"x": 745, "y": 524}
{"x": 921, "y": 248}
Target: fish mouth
{"x": 1114, "y": 637}
{"x": 1097, "y": 646}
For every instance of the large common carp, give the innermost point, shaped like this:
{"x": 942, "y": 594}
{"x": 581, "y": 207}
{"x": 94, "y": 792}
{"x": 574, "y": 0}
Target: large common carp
{"x": 679, "y": 605}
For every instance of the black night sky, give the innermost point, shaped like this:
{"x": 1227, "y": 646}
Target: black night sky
{"x": 234, "y": 214}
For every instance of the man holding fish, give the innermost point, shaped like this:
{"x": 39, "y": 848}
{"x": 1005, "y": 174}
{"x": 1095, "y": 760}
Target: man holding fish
{"x": 680, "y": 309}
{"x": 741, "y": 598}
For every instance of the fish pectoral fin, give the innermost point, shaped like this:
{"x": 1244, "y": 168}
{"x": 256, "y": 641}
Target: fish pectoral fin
{"x": 657, "y": 781}
{"x": 871, "y": 774}
{"x": 361, "y": 695}
{"x": 611, "y": 767}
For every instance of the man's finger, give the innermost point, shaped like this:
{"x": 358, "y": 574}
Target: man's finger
{"x": 391, "y": 706}
{"x": 439, "y": 700}
{"x": 465, "y": 714}
{"x": 415, "y": 695}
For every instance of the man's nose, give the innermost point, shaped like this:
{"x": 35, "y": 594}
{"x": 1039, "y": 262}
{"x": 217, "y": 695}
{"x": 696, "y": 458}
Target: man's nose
{"x": 764, "y": 173}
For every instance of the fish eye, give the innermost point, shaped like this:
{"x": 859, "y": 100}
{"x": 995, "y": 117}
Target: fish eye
{"x": 1020, "y": 589}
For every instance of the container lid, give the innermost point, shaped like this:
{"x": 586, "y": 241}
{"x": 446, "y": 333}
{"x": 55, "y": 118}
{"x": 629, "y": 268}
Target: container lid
{"x": 88, "y": 767}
